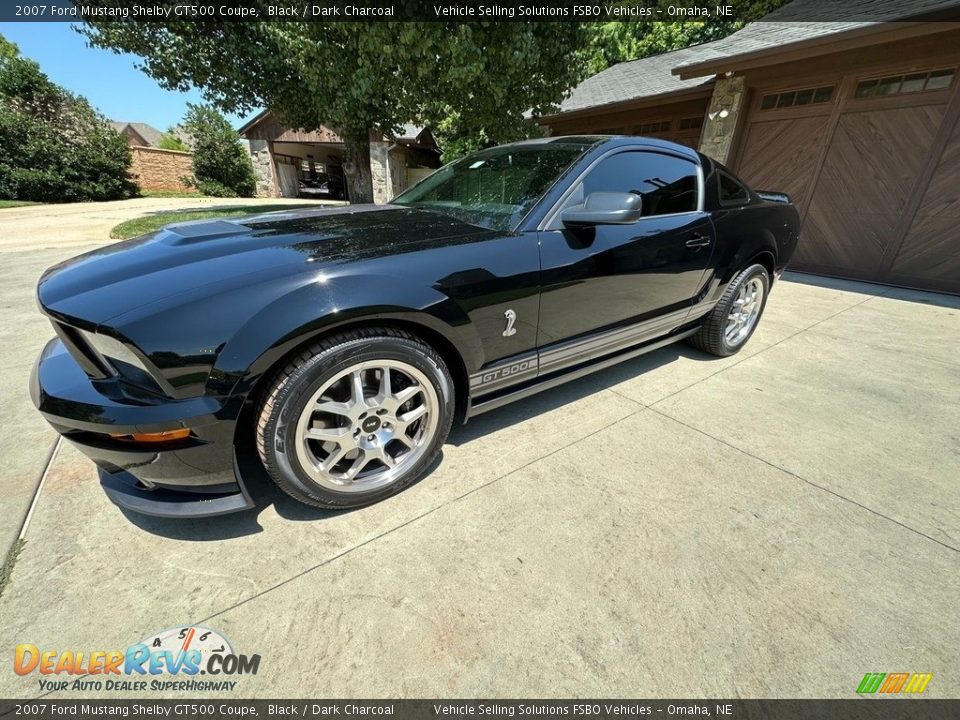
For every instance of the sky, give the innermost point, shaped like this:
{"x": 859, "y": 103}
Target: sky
{"x": 111, "y": 82}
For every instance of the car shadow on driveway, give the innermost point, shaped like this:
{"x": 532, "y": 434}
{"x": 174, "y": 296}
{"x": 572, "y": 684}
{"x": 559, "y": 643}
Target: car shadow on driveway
{"x": 265, "y": 493}
{"x": 923, "y": 297}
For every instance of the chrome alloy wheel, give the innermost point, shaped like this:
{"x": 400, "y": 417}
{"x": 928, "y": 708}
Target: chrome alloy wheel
{"x": 364, "y": 428}
{"x": 744, "y": 312}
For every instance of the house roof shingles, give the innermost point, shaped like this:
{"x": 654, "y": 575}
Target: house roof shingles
{"x": 635, "y": 79}
{"x": 147, "y": 132}
{"x": 802, "y": 20}
{"x": 798, "y": 21}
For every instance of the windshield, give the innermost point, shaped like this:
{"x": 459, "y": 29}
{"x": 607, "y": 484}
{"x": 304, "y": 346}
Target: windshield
{"x": 494, "y": 188}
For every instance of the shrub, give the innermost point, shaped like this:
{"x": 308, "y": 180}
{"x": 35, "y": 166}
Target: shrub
{"x": 54, "y": 146}
{"x": 171, "y": 141}
{"x": 221, "y": 165}
{"x": 215, "y": 189}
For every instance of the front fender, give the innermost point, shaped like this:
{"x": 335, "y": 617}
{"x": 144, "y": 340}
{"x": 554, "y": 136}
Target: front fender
{"x": 325, "y": 303}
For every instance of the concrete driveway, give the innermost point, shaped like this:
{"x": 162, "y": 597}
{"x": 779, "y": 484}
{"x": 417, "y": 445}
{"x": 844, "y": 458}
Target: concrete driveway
{"x": 75, "y": 225}
{"x": 33, "y": 238}
{"x": 774, "y": 524}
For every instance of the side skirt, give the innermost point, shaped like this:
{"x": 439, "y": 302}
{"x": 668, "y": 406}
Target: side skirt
{"x": 484, "y": 404}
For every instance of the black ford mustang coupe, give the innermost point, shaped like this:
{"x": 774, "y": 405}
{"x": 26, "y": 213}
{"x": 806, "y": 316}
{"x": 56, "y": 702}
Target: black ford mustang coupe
{"x": 334, "y": 348}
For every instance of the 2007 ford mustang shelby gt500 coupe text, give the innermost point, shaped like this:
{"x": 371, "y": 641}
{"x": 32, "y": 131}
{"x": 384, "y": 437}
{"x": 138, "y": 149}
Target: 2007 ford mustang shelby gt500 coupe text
{"x": 335, "y": 347}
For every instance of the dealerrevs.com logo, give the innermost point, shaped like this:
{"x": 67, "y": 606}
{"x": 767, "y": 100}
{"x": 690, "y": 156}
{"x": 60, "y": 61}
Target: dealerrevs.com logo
{"x": 169, "y": 660}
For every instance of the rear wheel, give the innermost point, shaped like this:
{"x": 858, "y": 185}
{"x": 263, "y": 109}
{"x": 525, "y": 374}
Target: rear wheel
{"x": 733, "y": 320}
{"x": 355, "y": 418}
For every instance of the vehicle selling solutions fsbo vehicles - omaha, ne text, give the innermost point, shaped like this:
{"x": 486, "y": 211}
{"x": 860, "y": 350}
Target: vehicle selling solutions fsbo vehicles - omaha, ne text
{"x": 335, "y": 347}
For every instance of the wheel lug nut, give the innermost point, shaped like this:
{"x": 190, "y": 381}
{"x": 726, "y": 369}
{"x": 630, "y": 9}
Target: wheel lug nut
{"x": 370, "y": 437}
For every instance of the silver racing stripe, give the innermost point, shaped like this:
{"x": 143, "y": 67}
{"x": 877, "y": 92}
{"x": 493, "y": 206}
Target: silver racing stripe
{"x": 555, "y": 358}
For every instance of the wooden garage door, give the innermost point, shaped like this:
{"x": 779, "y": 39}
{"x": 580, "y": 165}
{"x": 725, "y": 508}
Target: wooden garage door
{"x": 781, "y": 154}
{"x": 870, "y": 170}
{"x": 929, "y": 255}
{"x": 874, "y": 175}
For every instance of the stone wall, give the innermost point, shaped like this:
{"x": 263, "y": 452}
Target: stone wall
{"x": 156, "y": 169}
{"x": 726, "y": 105}
{"x": 263, "y": 168}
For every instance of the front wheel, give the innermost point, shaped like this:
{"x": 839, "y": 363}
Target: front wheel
{"x": 355, "y": 418}
{"x": 730, "y": 324}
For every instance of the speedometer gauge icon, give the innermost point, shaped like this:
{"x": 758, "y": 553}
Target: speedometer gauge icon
{"x": 194, "y": 637}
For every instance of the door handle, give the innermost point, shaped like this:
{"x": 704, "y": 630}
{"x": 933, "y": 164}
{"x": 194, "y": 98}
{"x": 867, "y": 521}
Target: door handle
{"x": 698, "y": 240}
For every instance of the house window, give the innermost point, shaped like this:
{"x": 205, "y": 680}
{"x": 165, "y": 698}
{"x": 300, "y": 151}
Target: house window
{"x": 691, "y": 123}
{"x": 652, "y": 127}
{"x": 902, "y": 84}
{"x": 796, "y": 98}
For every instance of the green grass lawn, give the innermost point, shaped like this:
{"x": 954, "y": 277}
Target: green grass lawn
{"x": 149, "y": 223}
{"x": 15, "y": 203}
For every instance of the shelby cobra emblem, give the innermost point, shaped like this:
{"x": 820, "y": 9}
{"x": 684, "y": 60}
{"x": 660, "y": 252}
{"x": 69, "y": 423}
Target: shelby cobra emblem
{"x": 511, "y": 317}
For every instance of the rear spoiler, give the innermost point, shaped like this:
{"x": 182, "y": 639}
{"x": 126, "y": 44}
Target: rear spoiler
{"x": 774, "y": 196}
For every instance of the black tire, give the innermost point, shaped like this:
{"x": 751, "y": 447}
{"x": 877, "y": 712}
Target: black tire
{"x": 711, "y": 337}
{"x": 295, "y": 383}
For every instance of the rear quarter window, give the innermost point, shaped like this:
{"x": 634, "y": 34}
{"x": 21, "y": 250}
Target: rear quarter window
{"x": 732, "y": 191}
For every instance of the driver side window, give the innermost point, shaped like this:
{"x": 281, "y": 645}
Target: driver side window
{"x": 667, "y": 184}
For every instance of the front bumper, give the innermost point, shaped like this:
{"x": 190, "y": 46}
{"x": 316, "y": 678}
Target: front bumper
{"x": 195, "y": 477}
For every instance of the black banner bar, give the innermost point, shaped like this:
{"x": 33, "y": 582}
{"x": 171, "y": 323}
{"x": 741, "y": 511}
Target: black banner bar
{"x": 854, "y": 709}
{"x": 465, "y": 11}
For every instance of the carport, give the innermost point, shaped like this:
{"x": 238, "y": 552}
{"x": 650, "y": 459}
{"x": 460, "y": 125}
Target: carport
{"x": 283, "y": 157}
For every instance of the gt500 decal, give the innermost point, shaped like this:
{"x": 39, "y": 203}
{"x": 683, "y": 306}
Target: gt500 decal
{"x": 504, "y": 372}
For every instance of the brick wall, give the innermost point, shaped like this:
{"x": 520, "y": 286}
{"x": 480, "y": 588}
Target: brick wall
{"x": 155, "y": 169}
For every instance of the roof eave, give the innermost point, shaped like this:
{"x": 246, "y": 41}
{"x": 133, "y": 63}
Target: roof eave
{"x": 821, "y": 45}
{"x": 253, "y": 122}
{"x": 703, "y": 90}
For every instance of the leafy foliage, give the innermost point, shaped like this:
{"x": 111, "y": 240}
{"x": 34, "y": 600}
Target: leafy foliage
{"x": 473, "y": 80}
{"x": 221, "y": 165}
{"x": 54, "y": 146}
{"x": 171, "y": 141}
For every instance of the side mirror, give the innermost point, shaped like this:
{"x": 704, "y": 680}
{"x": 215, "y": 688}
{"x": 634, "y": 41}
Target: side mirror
{"x": 604, "y": 208}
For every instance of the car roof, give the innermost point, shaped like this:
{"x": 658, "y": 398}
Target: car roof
{"x": 613, "y": 141}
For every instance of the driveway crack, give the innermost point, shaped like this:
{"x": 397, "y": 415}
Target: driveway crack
{"x": 806, "y": 480}
{"x": 413, "y": 520}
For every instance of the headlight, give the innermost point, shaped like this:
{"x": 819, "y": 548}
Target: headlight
{"x": 123, "y": 360}
{"x": 113, "y": 350}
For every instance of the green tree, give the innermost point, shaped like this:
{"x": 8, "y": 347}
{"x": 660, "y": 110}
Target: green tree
{"x": 221, "y": 165}
{"x": 170, "y": 140}
{"x": 53, "y": 145}
{"x": 476, "y": 79}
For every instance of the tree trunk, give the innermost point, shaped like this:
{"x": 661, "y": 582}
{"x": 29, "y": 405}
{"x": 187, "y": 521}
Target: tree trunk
{"x": 356, "y": 169}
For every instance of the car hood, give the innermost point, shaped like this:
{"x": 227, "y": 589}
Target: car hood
{"x": 221, "y": 254}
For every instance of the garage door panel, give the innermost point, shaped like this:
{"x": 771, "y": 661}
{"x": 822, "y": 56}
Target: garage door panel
{"x": 875, "y": 158}
{"x": 846, "y": 242}
{"x": 870, "y": 170}
{"x": 942, "y": 197}
{"x": 929, "y": 255}
{"x": 930, "y": 250}
{"x": 782, "y": 154}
